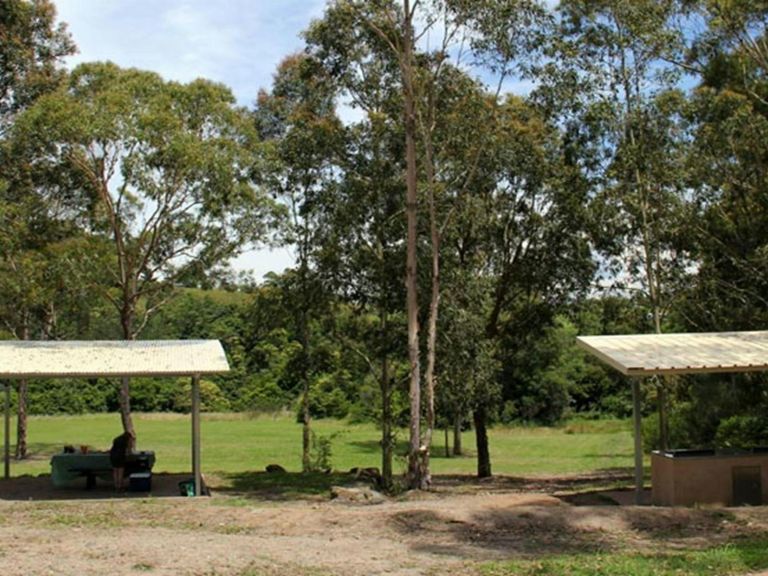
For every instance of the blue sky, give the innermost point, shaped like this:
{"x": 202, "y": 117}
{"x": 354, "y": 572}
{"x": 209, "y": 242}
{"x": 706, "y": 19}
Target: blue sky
{"x": 236, "y": 42}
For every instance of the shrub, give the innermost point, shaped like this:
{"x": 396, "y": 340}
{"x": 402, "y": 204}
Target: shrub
{"x": 742, "y": 432}
{"x": 65, "y": 396}
{"x": 325, "y": 400}
{"x": 211, "y": 398}
{"x": 262, "y": 394}
{"x": 321, "y": 452}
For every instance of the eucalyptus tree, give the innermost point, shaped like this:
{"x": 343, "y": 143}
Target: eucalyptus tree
{"x": 362, "y": 258}
{"x": 380, "y": 68}
{"x": 732, "y": 45}
{"x": 619, "y": 51}
{"x": 388, "y": 41}
{"x": 390, "y": 32}
{"x": 362, "y": 250}
{"x": 298, "y": 120}
{"x": 162, "y": 170}
{"x": 524, "y": 236}
{"x": 398, "y": 34}
{"x": 727, "y": 167}
{"x": 32, "y": 48}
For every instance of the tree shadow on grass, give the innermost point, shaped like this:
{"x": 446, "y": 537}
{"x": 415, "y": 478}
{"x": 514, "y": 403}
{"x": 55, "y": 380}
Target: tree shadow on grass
{"x": 400, "y": 449}
{"x": 543, "y": 530}
{"x": 374, "y": 446}
{"x": 33, "y": 488}
{"x": 281, "y": 485}
{"x": 39, "y": 451}
{"x": 608, "y": 478}
{"x": 665, "y": 523}
{"x": 606, "y": 455}
{"x": 526, "y": 531}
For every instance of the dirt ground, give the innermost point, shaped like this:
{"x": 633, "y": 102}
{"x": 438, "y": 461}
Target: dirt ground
{"x": 451, "y": 530}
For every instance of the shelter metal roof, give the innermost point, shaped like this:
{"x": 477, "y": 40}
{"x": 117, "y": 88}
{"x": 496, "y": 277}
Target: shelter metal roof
{"x": 648, "y": 354}
{"x": 61, "y": 359}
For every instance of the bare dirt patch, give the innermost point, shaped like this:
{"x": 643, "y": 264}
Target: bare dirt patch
{"x": 450, "y": 530}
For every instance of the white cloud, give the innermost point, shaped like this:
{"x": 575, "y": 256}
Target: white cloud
{"x": 236, "y": 42}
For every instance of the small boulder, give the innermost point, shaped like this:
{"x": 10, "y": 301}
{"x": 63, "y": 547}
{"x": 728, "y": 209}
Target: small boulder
{"x": 275, "y": 469}
{"x": 361, "y": 495}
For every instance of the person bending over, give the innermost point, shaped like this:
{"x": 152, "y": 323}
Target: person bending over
{"x": 122, "y": 447}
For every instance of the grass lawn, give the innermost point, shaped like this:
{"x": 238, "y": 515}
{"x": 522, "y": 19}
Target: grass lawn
{"x": 733, "y": 558}
{"x": 234, "y": 443}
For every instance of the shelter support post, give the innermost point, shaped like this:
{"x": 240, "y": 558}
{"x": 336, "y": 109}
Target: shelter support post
{"x": 7, "y": 447}
{"x": 637, "y": 418}
{"x": 196, "y": 435}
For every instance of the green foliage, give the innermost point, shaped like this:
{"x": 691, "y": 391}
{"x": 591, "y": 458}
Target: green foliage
{"x": 321, "y": 452}
{"x": 730, "y": 288}
{"x": 71, "y": 396}
{"x": 31, "y": 54}
{"x": 705, "y": 404}
{"x": 160, "y": 169}
{"x": 261, "y": 393}
{"x": 156, "y": 395}
{"x": 742, "y": 432}
{"x": 327, "y": 400}
{"x": 211, "y": 397}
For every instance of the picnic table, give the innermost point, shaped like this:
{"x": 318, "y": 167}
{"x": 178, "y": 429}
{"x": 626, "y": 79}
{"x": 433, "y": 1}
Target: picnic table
{"x": 68, "y": 468}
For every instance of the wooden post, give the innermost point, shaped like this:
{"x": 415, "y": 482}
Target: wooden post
{"x": 7, "y": 455}
{"x": 196, "y": 435}
{"x": 637, "y": 417}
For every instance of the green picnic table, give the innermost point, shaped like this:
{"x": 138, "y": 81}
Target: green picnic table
{"x": 69, "y": 468}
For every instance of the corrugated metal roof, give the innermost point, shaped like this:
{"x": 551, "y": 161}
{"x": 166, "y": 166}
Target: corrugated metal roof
{"x": 647, "y": 354}
{"x": 55, "y": 359}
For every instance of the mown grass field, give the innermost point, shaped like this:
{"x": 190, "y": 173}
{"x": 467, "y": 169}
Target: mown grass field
{"x": 735, "y": 558}
{"x": 234, "y": 443}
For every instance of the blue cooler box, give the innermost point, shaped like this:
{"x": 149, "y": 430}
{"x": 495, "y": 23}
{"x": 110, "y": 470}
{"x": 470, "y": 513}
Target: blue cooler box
{"x": 140, "y": 482}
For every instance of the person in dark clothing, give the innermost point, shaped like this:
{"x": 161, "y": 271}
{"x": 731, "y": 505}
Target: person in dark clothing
{"x": 122, "y": 447}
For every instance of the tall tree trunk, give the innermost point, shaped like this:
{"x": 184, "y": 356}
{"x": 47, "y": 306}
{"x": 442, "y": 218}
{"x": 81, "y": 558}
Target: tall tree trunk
{"x": 306, "y": 417}
{"x": 651, "y": 258}
{"x": 21, "y": 409}
{"x": 21, "y": 421}
{"x": 434, "y": 307}
{"x": 633, "y": 99}
{"x": 125, "y": 406}
{"x": 386, "y": 407}
{"x": 306, "y": 430}
{"x": 127, "y": 317}
{"x": 663, "y": 417}
{"x": 480, "y": 418}
{"x": 457, "y": 450}
{"x": 414, "y": 475}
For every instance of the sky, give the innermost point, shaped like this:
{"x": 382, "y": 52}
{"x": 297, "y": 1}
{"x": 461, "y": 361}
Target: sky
{"x": 236, "y": 42}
